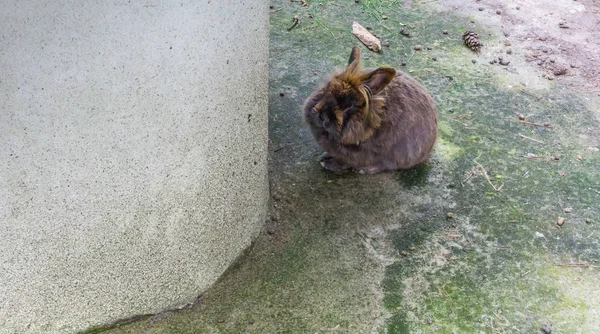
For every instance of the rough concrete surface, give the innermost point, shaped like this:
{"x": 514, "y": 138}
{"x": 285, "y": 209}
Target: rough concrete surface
{"x": 133, "y": 143}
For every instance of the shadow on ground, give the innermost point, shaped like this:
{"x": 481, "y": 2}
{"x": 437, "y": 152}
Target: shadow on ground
{"x": 373, "y": 254}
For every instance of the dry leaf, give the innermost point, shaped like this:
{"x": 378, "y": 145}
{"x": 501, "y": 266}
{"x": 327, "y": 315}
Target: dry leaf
{"x": 366, "y": 37}
{"x": 560, "y": 221}
{"x": 567, "y": 210}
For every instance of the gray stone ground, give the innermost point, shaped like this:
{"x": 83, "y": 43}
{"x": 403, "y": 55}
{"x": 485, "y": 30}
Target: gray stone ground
{"x": 374, "y": 254}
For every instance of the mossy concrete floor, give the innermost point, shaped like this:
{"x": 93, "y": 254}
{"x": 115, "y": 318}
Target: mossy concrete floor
{"x": 346, "y": 253}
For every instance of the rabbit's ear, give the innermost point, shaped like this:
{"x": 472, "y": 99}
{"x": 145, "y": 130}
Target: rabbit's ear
{"x": 377, "y": 80}
{"x": 354, "y": 55}
{"x": 354, "y": 61}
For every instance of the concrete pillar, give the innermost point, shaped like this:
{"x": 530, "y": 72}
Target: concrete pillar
{"x": 133, "y": 139}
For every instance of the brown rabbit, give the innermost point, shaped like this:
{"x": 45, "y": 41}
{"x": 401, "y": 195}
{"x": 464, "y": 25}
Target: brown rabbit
{"x": 372, "y": 120}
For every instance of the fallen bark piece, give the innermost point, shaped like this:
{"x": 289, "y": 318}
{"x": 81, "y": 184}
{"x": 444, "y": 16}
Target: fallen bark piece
{"x": 366, "y": 37}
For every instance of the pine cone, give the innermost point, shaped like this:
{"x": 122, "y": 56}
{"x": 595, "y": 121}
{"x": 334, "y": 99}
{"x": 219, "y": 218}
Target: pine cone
{"x": 471, "y": 39}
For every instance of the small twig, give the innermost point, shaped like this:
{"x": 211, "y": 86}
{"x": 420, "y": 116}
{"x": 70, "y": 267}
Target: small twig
{"x": 463, "y": 115}
{"x": 532, "y": 157}
{"x": 592, "y": 91}
{"x": 388, "y": 29}
{"x": 275, "y": 10}
{"x": 527, "y": 272}
{"x": 584, "y": 265}
{"x": 487, "y": 177}
{"x": 447, "y": 257}
{"x": 296, "y": 22}
{"x": 590, "y": 234}
{"x": 463, "y": 124}
{"x": 411, "y": 56}
{"x": 535, "y": 140}
{"x": 490, "y": 182}
{"x": 442, "y": 289}
{"x": 536, "y": 124}
{"x": 468, "y": 176}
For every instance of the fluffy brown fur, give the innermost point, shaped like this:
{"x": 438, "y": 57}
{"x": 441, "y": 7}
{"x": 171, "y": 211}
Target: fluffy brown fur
{"x": 371, "y": 120}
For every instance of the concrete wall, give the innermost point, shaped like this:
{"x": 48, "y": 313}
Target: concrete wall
{"x": 133, "y": 142}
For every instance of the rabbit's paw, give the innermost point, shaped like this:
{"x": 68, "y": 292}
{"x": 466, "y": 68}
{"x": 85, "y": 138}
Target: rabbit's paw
{"x": 368, "y": 170}
{"x": 334, "y": 166}
{"x": 325, "y": 157}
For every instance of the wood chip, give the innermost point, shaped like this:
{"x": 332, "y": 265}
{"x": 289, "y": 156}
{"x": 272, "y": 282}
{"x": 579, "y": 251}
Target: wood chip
{"x": 532, "y": 139}
{"x": 579, "y": 157}
{"x": 366, "y": 37}
{"x": 568, "y": 210}
{"x": 560, "y": 221}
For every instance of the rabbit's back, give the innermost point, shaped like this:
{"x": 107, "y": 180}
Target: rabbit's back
{"x": 409, "y": 125}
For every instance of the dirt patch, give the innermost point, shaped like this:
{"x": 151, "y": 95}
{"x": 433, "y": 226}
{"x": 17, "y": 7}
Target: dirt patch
{"x": 561, "y": 38}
